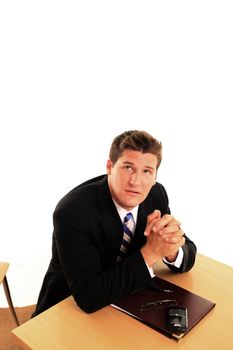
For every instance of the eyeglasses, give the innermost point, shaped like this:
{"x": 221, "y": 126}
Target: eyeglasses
{"x": 158, "y": 304}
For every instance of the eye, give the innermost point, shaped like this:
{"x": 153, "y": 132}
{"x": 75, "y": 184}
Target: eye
{"x": 146, "y": 171}
{"x": 128, "y": 167}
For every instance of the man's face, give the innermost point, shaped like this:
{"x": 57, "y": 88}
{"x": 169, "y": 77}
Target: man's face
{"x": 132, "y": 177}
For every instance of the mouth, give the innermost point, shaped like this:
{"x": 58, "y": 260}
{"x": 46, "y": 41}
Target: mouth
{"x": 131, "y": 192}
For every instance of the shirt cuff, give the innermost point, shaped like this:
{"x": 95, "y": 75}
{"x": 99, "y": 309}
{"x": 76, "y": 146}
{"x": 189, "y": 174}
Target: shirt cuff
{"x": 178, "y": 261}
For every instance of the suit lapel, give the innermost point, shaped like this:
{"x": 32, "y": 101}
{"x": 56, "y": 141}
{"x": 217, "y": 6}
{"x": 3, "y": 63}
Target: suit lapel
{"x": 110, "y": 219}
{"x": 139, "y": 238}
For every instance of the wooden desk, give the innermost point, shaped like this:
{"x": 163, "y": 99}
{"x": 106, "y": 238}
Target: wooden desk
{"x": 65, "y": 326}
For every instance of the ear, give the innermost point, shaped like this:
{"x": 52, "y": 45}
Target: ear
{"x": 109, "y": 167}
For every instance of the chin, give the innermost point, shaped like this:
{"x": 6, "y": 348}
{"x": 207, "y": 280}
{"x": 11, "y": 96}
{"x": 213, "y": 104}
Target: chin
{"x": 131, "y": 205}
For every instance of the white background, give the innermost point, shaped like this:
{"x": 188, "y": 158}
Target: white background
{"x": 74, "y": 74}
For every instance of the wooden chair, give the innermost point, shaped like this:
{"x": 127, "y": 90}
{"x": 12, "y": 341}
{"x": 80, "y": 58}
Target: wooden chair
{"x": 3, "y": 270}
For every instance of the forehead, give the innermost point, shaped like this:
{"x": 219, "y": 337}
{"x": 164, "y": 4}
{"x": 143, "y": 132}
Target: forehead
{"x": 139, "y": 159}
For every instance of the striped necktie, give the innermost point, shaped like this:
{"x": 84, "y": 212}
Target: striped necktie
{"x": 128, "y": 228}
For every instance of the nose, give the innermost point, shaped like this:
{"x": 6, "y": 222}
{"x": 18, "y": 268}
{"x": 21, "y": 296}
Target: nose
{"x": 134, "y": 179}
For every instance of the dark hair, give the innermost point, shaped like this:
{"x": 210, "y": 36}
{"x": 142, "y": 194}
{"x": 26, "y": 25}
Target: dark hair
{"x": 137, "y": 141}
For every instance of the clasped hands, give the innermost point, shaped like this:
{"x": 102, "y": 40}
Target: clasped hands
{"x": 164, "y": 238}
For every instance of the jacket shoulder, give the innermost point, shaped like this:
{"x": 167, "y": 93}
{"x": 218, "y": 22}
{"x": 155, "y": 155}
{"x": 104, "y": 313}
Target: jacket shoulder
{"x": 83, "y": 191}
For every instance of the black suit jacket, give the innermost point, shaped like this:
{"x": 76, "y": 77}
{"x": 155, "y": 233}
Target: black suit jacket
{"x": 86, "y": 241}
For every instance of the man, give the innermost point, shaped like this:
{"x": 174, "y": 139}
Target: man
{"x": 92, "y": 258}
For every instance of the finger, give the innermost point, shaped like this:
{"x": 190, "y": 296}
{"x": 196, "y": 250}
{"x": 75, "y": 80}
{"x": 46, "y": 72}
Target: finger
{"x": 167, "y": 220}
{"x": 174, "y": 238}
{"x": 151, "y": 220}
{"x": 171, "y": 229}
{"x": 179, "y": 244}
{"x": 164, "y": 221}
{"x": 149, "y": 227}
{"x": 156, "y": 214}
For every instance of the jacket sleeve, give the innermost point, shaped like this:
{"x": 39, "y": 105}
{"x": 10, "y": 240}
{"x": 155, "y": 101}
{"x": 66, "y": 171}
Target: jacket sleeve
{"x": 92, "y": 281}
{"x": 189, "y": 250}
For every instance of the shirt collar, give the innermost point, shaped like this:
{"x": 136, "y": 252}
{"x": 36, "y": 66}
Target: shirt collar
{"x": 122, "y": 212}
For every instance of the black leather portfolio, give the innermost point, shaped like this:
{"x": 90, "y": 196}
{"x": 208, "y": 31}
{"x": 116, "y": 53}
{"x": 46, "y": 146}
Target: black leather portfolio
{"x": 151, "y": 305}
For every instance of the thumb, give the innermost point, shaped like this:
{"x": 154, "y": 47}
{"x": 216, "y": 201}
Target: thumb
{"x": 153, "y": 218}
{"x": 157, "y": 214}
